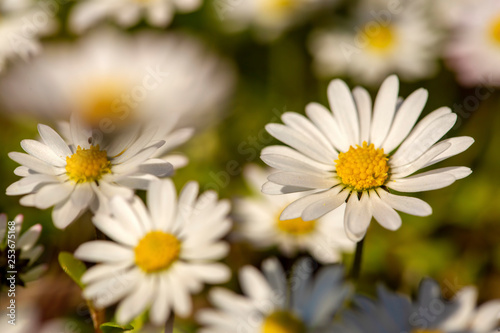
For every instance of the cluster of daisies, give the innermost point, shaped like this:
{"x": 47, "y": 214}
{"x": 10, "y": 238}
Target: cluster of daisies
{"x": 338, "y": 170}
{"x": 133, "y": 99}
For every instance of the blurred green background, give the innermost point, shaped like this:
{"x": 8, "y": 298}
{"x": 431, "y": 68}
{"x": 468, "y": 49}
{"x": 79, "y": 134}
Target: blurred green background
{"x": 458, "y": 245}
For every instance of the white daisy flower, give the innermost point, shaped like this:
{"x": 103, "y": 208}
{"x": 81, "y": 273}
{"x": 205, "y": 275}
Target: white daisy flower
{"x": 162, "y": 255}
{"x": 395, "y": 313}
{"x": 126, "y": 13}
{"x": 20, "y": 28}
{"x": 269, "y": 307}
{"x": 112, "y": 79}
{"x": 27, "y": 252}
{"x": 324, "y": 238}
{"x": 400, "y": 41}
{"x": 269, "y": 18}
{"x": 473, "y": 50}
{"x": 355, "y": 155}
{"x": 83, "y": 174}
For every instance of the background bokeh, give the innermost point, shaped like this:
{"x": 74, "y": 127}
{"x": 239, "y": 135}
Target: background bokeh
{"x": 458, "y": 245}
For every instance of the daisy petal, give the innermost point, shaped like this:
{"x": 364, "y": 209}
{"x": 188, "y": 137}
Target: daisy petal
{"x": 135, "y": 303}
{"x": 162, "y": 203}
{"x": 405, "y": 119}
{"x": 103, "y": 251}
{"x": 357, "y": 216}
{"x": 323, "y": 119}
{"x": 364, "y": 106}
{"x": 42, "y": 152}
{"x": 458, "y": 145}
{"x": 342, "y": 105}
{"x": 419, "y": 183}
{"x": 52, "y": 194}
{"x": 408, "y": 205}
{"x": 54, "y": 141}
{"x": 295, "y": 209}
{"x": 324, "y": 205}
{"x": 33, "y": 163}
{"x": 384, "y": 109}
{"x": 385, "y": 215}
{"x": 302, "y": 180}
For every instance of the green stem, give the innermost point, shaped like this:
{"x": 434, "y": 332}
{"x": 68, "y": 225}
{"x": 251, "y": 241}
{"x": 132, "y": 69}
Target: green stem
{"x": 356, "y": 266}
{"x": 97, "y": 315}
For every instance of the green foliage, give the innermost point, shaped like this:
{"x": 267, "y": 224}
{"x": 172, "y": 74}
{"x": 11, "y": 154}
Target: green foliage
{"x": 72, "y": 266}
{"x": 111, "y": 327}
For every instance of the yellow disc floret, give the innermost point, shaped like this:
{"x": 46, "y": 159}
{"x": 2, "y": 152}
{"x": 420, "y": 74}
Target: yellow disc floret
{"x": 282, "y": 322}
{"x": 495, "y": 30}
{"x": 296, "y": 227}
{"x": 157, "y": 251}
{"x": 87, "y": 165}
{"x": 363, "y": 167}
{"x": 381, "y": 39}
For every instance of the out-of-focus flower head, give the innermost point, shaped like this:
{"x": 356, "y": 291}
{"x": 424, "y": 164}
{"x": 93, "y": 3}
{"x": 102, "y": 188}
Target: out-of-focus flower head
{"x": 268, "y": 304}
{"x": 430, "y": 313}
{"x": 22, "y": 22}
{"x": 126, "y": 13}
{"x": 324, "y": 238}
{"x": 112, "y": 79}
{"x": 84, "y": 172}
{"x": 268, "y": 18}
{"x": 19, "y": 252}
{"x": 163, "y": 253}
{"x": 473, "y": 50}
{"x": 387, "y": 37}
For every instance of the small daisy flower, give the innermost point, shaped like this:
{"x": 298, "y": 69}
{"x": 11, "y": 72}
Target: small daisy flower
{"x": 473, "y": 50}
{"x": 163, "y": 253}
{"x": 126, "y": 13}
{"x": 355, "y": 155}
{"x": 111, "y": 80}
{"x": 268, "y": 307}
{"x": 269, "y": 18}
{"x": 323, "y": 238}
{"x": 26, "y": 252}
{"x": 430, "y": 313}
{"x": 19, "y": 30}
{"x": 400, "y": 42}
{"x": 83, "y": 174}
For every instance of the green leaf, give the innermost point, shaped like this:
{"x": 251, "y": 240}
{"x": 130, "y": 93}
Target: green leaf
{"x": 72, "y": 266}
{"x": 115, "y": 328}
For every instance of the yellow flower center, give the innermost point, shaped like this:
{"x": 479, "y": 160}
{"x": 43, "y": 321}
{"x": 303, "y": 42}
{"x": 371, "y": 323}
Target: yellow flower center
{"x": 296, "y": 227}
{"x": 157, "y": 251}
{"x": 106, "y": 98}
{"x": 362, "y": 168}
{"x": 282, "y": 322}
{"x": 380, "y": 38}
{"x": 87, "y": 165}
{"x": 278, "y": 9}
{"x": 495, "y": 30}
{"x": 426, "y": 331}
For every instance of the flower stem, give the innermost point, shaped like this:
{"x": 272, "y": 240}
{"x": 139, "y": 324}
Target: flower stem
{"x": 169, "y": 326}
{"x": 97, "y": 315}
{"x": 356, "y": 266}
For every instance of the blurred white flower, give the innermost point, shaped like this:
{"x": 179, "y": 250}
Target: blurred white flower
{"x": 324, "y": 238}
{"x": 112, "y": 79}
{"x": 473, "y": 50}
{"x": 80, "y": 175}
{"x": 126, "y": 13}
{"x": 26, "y": 250}
{"x": 268, "y": 306}
{"x": 269, "y": 18}
{"x": 28, "y": 320}
{"x": 385, "y": 39}
{"x": 395, "y": 313}
{"x": 22, "y": 22}
{"x": 163, "y": 253}
{"x": 357, "y": 154}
